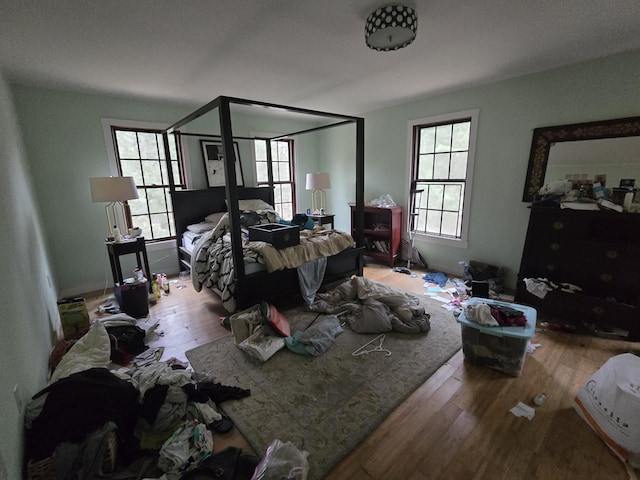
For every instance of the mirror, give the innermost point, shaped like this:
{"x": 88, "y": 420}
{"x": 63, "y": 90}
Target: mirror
{"x": 594, "y": 142}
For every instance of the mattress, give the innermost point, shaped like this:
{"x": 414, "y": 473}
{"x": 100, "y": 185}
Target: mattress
{"x": 189, "y": 240}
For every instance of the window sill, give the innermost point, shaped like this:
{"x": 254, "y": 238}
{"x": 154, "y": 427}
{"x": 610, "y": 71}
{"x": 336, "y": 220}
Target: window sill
{"x": 161, "y": 245}
{"x": 449, "y": 242}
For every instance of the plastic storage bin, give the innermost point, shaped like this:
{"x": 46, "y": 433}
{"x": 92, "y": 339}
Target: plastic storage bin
{"x": 500, "y": 348}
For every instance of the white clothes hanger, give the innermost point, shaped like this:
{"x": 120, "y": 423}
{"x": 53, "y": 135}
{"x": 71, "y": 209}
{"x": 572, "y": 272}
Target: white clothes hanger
{"x": 378, "y": 348}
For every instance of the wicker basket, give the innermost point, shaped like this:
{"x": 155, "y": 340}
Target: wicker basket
{"x": 45, "y": 469}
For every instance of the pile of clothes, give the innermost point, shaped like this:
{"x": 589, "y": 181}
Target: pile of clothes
{"x": 86, "y": 402}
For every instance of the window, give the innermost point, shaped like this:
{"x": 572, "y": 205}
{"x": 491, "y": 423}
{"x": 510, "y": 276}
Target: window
{"x": 283, "y": 173}
{"x": 442, "y": 165}
{"x": 139, "y": 153}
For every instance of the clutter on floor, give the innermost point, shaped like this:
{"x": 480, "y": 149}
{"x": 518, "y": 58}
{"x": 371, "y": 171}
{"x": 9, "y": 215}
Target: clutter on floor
{"x": 497, "y": 334}
{"x": 111, "y": 402}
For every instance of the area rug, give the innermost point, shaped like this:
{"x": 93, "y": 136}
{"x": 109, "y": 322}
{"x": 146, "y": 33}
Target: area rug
{"x": 326, "y": 405}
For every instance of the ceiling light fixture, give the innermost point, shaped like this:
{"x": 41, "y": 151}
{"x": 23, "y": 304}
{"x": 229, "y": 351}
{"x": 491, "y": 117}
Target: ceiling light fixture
{"x": 391, "y": 28}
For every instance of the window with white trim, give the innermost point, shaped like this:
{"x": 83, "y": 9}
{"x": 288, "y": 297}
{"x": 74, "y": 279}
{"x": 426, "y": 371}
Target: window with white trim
{"x": 139, "y": 153}
{"x": 443, "y": 150}
{"x": 283, "y": 173}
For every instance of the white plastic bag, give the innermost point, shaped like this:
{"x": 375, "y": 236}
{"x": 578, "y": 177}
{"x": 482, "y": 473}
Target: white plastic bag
{"x": 610, "y": 401}
{"x": 282, "y": 461}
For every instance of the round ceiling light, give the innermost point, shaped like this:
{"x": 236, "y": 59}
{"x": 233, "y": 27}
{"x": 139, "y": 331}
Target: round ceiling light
{"x": 391, "y": 28}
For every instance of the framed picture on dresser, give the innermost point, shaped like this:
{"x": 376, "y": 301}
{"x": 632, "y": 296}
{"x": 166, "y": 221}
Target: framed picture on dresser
{"x": 214, "y": 163}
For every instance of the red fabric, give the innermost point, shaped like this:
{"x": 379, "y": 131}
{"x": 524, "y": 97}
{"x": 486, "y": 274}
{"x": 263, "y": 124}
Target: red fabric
{"x": 279, "y": 322}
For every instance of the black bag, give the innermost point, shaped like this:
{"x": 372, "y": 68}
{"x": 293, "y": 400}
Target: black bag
{"x": 229, "y": 464}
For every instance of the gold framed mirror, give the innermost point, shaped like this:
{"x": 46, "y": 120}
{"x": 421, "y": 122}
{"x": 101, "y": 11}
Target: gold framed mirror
{"x": 544, "y": 138}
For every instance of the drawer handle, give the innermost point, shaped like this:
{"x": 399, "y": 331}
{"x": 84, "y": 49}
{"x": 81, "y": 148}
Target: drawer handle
{"x": 598, "y": 310}
{"x": 558, "y": 225}
{"x": 555, "y": 247}
{"x": 606, "y": 277}
{"x": 612, "y": 254}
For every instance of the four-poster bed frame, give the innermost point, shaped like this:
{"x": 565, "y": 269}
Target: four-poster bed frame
{"x": 191, "y": 206}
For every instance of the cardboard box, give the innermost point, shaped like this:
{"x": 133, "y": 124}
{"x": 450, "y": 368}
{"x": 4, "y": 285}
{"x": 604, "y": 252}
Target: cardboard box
{"x": 278, "y": 235}
{"x": 74, "y": 316}
{"x": 501, "y": 348}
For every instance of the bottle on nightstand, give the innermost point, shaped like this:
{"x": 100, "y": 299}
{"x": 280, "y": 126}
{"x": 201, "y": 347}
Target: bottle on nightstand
{"x": 155, "y": 285}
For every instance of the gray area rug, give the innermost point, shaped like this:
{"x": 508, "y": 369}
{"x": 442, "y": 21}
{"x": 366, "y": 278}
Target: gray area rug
{"x": 327, "y": 404}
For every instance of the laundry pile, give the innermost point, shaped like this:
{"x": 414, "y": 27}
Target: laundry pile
{"x": 71, "y": 424}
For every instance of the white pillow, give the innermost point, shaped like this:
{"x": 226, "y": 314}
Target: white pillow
{"x": 201, "y": 227}
{"x": 214, "y": 218}
{"x": 253, "y": 205}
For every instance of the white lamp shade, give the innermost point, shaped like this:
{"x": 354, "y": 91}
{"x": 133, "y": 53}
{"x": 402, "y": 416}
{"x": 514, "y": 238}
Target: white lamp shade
{"x": 113, "y": 189}
{"x": 318, "y": 181}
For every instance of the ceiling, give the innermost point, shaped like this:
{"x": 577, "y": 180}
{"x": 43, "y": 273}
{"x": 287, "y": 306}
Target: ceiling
{"x": 305, "y": 53}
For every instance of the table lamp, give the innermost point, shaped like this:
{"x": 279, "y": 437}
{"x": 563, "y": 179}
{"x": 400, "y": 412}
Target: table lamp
{"x": 115, "y": 191}
{"x": 318, "y": 182}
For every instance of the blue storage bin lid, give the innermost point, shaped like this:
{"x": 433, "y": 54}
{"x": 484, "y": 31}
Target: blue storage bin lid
{"x": 516, "y": 332}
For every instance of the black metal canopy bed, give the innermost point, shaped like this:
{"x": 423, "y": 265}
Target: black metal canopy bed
{"x": 224, "y": 260}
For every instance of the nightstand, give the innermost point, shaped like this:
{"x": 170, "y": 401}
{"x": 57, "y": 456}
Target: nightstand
{"x": 134, "y": 245}
{"x": 322, "y": 219}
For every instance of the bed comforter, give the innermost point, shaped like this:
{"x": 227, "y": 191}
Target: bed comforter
{"x": 212, "y": 257}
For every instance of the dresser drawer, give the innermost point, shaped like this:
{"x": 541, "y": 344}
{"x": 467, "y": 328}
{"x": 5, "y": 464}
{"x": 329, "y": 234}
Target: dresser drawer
{"x": 584, "y": 311}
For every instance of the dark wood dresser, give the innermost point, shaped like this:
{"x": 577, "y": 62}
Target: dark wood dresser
{"x": 598, "y": 251}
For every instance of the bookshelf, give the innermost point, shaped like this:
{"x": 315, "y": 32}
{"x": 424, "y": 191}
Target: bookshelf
{"x": 382, "y": 232}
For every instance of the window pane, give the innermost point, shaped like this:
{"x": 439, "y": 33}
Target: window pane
{"x": 164, "y": 173}
{"x": 286, "y": 211}
{"x": 160, "y": 225}
{"x": 461, "y": 136}
{"x": 283, "y": 151}
{"x": 443, "y": 138}
{"x": 435, "y": 194}
{"x": 127, "y": 144}
{"x": 283, "y": 168}
{"x": 452, "y": 197}
{"x": 260, "y": 147}
{"x": 441, "y": 167}
{"x": 450, "y": 223}
{"x": 132, "y": 168}
{"x": 152, "y": 175}
{"x": 426, "y": 167}
{"x": 458, "y": 165}
{"x": 427, "y": 140}
{"x": 144, "y": 223}
{"x": 287, "y": 195}
{"x": 433, "y": 222}
{"x": 156, "y": 200}
{"x": 139, "y": 205}
{"x": 175, "y": 168}
{"x": 278, "y": 193}
{"x": 261, "y": 172}
{"x": 148, "y": 145}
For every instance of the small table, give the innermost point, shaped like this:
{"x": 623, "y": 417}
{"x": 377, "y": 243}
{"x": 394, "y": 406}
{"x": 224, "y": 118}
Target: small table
{"x": 322, "y": 219}
{"x": 134, "y": 245}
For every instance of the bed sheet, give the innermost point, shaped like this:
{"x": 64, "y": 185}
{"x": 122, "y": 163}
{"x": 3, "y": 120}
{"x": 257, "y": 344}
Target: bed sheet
{"x": 212, "y": 258}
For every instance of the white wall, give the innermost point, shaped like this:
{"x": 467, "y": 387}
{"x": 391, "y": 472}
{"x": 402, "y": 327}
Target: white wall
{"x": 28, "y": 310}
{"x": 509, "y": 111}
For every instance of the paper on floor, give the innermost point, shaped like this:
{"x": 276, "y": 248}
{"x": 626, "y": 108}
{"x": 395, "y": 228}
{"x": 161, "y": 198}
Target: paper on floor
{"x": 522, "y": 410}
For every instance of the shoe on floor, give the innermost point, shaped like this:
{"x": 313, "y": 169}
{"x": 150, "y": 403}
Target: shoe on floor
{"x": 222, "y": 426}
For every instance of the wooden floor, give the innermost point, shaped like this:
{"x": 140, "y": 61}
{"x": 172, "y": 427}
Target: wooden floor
{"x": 457, "y": 425}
